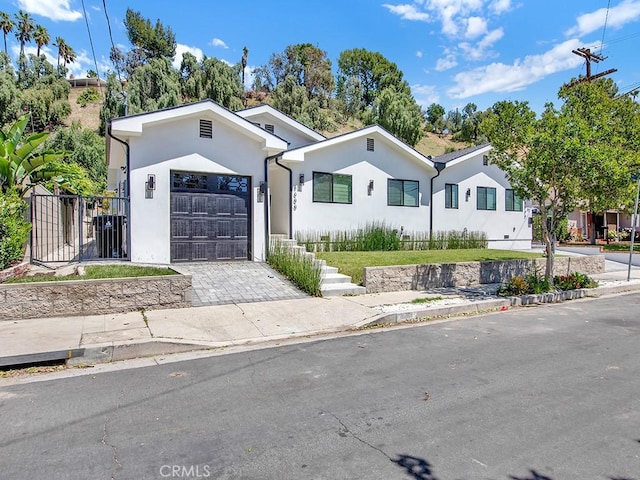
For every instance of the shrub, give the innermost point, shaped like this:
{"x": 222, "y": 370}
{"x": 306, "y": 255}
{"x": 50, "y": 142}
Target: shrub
{"x": 536, "y": 283}
{"x": 90, "y": 95}
{"x": 14, "y": 229}
{"x": 515, "y": 286}
{"x": 301, "y": 270}
{"x": 573, "y": 281}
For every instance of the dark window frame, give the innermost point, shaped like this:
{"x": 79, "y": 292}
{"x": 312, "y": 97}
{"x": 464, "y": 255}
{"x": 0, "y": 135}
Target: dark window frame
{"x": 482, "y": 197}
{"x": 511, "y": 200}
{"x": 333, "y": 177}
{"x": 417, "y": 182}
{"x": 449, "y": 197}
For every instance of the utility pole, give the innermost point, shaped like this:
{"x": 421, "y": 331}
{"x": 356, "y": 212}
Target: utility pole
{"x": 590, "y": 57}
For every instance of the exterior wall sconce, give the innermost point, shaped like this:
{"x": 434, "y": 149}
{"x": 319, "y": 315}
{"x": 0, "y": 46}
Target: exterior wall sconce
{"x": 370, "y": 187}
{"x": 468, "y": 194}
{"x": 301, "y": 179}
{"x": 149, "y": 186}
{"x": 263, "y": 188}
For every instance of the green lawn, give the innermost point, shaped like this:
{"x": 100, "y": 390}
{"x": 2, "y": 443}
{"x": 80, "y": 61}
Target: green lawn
{"x": 353, "y": 263}
{"x": 93, "y": 272}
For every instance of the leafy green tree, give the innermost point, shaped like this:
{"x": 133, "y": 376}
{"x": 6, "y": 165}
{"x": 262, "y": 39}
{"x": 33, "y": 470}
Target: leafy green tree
{"x": 20, "y": 158}
{"x": 92, "y": 73}
{"x": 435, "y": 112}
{"x": 9, "y": 96}
{"x": 88, "y": 96}
{"x": 291, "y": 99}
{"x": 351, "y": 100}
{"x": 24, "y": 29}
{"x": 154, "y": 42}
{"x": 153, "y": 86}
{"x": 374, "y": 71}
{"x": 558, "y": 160}
{"x": 262, "y": 79}
{"x": 6, "y": 24}
{"x": 114, "y": 102}
{"x": 210, "y": 78}
{"x": 397, "y": 112}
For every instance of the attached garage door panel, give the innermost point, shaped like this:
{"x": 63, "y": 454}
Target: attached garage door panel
{"x": 210, "y": 226}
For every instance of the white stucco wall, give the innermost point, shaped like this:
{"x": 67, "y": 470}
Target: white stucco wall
{"x": 498, "y": 223}
{"x": 177, "y": 146}
{"x": 352, "y": 158}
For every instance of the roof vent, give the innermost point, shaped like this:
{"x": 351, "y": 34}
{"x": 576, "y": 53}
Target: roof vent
{"x": 206, "y": 129}
{"x": 269, "y": 128}
{"x": 370, "y": 145}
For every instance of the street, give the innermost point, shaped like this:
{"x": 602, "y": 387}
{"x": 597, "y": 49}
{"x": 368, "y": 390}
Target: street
{"x": 543, "y": 393}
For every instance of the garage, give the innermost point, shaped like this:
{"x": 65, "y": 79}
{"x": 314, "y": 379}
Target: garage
{"x": 210, "y": 217}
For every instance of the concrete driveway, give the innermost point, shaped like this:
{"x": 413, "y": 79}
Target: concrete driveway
{"x": 220, "y": 283}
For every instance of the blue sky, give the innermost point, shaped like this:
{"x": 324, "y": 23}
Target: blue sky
{"x": 451, "y": 51}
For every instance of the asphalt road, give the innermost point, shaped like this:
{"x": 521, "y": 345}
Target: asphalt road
{"x": 550, "y": 392}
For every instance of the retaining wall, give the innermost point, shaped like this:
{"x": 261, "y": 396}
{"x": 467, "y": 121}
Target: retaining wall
{"x": 437, "y": 275}
{"x": 92, "y": 297}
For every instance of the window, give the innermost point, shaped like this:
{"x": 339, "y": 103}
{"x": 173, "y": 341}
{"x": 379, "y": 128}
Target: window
{"x": 450, "y": 195}
{"x": 370, "y": 145}
{"x": 331, "y": 188}
{"x": 402, "y": 193}
{"x": 513, "y": 203}
{"x": 206, "y": 129}
{"x": 486, "y": 198}
{"x": 269, "y": 128}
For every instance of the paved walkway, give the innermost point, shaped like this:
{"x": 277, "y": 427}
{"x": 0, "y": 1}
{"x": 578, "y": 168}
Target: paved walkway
{"x": 222, "y": 283}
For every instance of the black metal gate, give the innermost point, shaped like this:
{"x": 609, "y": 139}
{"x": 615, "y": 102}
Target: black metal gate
{"x": 71, "y": 228}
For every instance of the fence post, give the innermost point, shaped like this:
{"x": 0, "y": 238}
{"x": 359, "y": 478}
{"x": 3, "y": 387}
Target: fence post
{"x": 80, "y": 221}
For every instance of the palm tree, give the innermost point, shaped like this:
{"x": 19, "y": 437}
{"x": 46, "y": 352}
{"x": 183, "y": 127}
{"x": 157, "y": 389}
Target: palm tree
{"x": 69, "y": 55}
{"x": 41, "y": 37}
{"x": 62, "y": 47}
{"x": 6, "y": 24}
{"x": 24, "y": 29}
{"x": 245, "y": 55}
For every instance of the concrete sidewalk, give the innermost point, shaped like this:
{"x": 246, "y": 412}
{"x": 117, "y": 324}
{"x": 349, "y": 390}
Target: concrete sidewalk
{"x": 112, "y": 337}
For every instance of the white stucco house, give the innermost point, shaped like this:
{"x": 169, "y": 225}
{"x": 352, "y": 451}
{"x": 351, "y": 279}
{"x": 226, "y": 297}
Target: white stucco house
{"x": 208, "y": 184}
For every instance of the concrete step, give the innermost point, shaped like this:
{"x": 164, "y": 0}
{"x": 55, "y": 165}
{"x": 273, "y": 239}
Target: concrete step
{"x": 326, "y": 268}
{"x": 336, "y": 289}
{"x": 333, "y": 278}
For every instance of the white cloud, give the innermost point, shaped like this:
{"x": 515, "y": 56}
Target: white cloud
{"x": 499, "y": 77}
{"x": 182, "y": 49}
{"x": 625, "y": 12}
{"x": 419, "y": 54}
{"x": 78, "y": 68}
{"x": 408, "y": 12}
{"x": 96, "y": 8}
{"x": 500, "y": 6}
{"x": 52, "y": 9}
{"x": 481, "y": 50}
{"x": 216, "y": 42}
{"x": 425, "y": 95}
{"x": 448, "y": 61}
{"x": 476, "y": 26}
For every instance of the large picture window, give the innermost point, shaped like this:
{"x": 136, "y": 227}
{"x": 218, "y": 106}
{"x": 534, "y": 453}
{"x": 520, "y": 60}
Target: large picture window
{"x": 331, "y": 188}
{"x": 403, "y": 193}
{"x": 486, "y": 198}
{"x": 450, "y": 195}
{"x": 513, "y": 203}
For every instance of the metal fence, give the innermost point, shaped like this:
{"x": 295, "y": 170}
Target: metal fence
{"x": 70, "y": 228}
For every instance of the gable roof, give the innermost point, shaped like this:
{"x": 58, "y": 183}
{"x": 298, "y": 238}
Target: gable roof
{"x": 298, "y": 154}
{"x": 453, "y": 158}
{"x": 133, "y": 125}
{"x": 267, "y": 109}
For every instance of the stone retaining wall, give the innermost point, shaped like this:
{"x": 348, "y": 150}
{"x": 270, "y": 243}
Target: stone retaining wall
{"x": 437, "y": 275}
{"x": 91, "y": 297}
{"x": 16, "y": 271}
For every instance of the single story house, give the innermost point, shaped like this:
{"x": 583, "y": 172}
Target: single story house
{"x": 208, "y": 184}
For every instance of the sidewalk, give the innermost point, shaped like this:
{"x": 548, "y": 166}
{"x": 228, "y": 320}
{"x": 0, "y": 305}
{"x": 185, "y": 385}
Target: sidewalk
{"x": 113, "y": 337}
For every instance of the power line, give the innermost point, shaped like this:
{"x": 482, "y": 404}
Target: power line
{"x": 604, "y": 29}
{"x": 93, "y": 52}
{"x": 113, "y": 45}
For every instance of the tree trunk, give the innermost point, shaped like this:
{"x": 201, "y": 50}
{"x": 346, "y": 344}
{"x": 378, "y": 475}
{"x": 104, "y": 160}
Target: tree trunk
{"x": 592, "y": 228}
{"x": 549, "y": 242}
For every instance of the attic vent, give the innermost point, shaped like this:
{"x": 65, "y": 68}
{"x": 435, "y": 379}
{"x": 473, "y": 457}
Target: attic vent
{"x": 485, "y": 160}
{"x": 269, "y": 128}
{"x": 370, "y": 145}
{"x": 206, "y": 129}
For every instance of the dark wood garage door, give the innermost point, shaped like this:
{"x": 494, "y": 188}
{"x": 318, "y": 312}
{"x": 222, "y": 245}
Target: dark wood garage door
{"x": 210, "y": 217}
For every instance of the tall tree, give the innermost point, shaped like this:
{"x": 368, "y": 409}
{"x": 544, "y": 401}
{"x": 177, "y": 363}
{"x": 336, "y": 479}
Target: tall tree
{"x": 557, "y": 159}
{"x": 243, "y": 62}
{"x": 374, "y": 71}
{"x": 153, "y": 41}
{"x": 399, "y": 113}
{"x": 61, "y": 46}
{"x": 153, "y": 86}
{"x": 24, "y": 29}
{"x": 6, "y": 24}
{"x": 41, "y": 37}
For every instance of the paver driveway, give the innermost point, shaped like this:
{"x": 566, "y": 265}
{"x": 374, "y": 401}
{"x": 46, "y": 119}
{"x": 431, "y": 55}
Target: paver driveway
{"x": 219, "y": 283}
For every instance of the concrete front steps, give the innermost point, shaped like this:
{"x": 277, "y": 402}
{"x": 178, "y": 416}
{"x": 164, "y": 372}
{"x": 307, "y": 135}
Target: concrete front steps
{"x": 332, "y": 282}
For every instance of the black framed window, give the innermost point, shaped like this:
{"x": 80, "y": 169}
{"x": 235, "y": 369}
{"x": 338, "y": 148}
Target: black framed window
{"x": 486, "y": 198}
{"x": 403, "y": 193}
{"x": 331, "y": 188}
{"x": 451, "y": 195}
{"x": 513, "y": 203}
